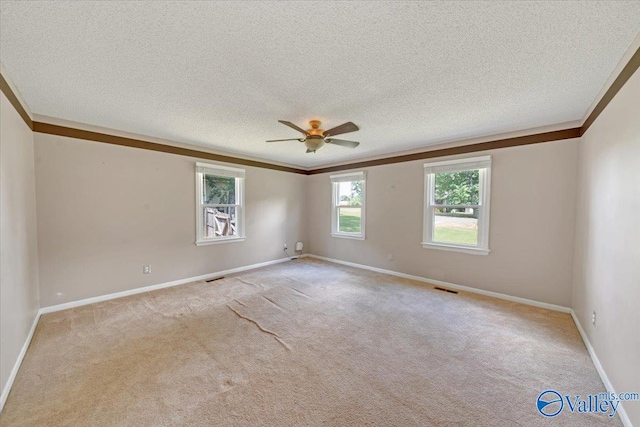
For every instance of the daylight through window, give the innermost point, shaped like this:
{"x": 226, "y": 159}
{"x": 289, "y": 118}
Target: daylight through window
{"x": 456, "y": 212}
{"x": 220, "y": 203}
{"x": 348, "y": 205}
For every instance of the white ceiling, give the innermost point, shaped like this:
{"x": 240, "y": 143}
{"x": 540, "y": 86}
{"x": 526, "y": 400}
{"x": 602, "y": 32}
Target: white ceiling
{"x": 220, "y": 75}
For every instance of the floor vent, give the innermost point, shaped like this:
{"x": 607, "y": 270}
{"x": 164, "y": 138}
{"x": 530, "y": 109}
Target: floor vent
{"x": 213, "y": 280}
{"x": 445, "y": 290}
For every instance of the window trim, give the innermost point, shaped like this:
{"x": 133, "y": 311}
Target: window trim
{"x": 239, "y": 205}
{"x": 483, "y": 164}
{"x": 358, "y": 176}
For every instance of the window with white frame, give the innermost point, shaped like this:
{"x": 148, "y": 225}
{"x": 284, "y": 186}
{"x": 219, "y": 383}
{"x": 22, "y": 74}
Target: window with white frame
{"x": 456, "y": 205}
{"x": 348, "y": 205}
{"x": 219, "y": 204}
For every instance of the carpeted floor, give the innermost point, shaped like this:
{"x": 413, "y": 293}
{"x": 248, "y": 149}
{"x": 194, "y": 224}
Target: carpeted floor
{"x": 301, "y": 343}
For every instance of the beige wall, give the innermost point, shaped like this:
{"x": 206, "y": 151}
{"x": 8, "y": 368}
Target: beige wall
{"x": 104, "y": 211}
{"x": 607, "y": 261}
{"x": 531, "y": 232}
{"x": 18, "y": 247}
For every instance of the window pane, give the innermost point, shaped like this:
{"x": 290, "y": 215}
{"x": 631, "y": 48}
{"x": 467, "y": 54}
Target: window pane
{"x": 457, "y": 188}
{"x": 349, "y": 219}
{"x": 457, "y": 226}
{"x": 219, "y": 190}
{"x": 220, "y": 222}
{"x": 350, "y": 193}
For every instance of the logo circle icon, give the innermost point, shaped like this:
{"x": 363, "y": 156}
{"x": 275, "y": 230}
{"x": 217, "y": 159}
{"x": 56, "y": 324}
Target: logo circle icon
{"x": 550, "y": 403}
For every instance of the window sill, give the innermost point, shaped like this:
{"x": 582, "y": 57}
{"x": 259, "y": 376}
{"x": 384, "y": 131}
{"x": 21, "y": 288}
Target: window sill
{"x": 220, "y": 240}
{"x": 348, "y": 236}
{"x": 453, "y": 248}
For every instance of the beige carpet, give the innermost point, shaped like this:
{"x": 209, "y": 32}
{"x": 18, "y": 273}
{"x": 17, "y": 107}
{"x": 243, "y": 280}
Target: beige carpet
{"x": 301, "y": 343}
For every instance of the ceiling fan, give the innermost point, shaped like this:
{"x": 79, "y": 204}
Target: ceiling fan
{"x": 315, "y": 137}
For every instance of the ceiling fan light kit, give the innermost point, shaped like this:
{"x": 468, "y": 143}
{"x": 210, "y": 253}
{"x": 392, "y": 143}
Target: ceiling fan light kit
{"x": 315, "y": 138}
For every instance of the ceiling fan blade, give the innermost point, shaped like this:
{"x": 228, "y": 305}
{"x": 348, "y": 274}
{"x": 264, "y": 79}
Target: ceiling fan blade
{"x": 290, "y": 139}
{"x": 343, "y": 128}
{"x": 292, "y": 126}
{"x": 344, "y": 143}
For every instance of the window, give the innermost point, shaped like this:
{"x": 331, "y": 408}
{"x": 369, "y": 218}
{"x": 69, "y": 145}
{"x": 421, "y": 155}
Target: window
{"x": 456, "y": 205}
{"x": 348, "y": 205}
{"x": 219, "y": 204}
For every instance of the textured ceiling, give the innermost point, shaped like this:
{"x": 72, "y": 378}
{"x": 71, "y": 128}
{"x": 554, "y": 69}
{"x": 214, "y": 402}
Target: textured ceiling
{"x": 221, "y": 74}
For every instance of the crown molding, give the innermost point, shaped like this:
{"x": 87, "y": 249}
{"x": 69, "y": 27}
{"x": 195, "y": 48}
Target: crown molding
{"x": 207, "y": 150}
{"x": 615, "y": 73}
{"x": 51, "y": 129}
{"x": 13, "y": 95}
{"x": 88, "y": 132}
{"x": 537, "y": 138}
{"x": 625, "y": 74}
{"x": 456, "y": 143}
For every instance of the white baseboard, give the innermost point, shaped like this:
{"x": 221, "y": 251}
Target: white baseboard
{"x": 65, "y": 306}
{"x": 5, "y": 392}
{"x": 93, "y": 300}
{"x": 498, "y": 295}
{"x": 16, "y": 366}
{"x": 603, "y": 375}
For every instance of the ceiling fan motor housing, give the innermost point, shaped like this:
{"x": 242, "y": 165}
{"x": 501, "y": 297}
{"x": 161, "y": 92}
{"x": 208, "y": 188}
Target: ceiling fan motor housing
{"x": 315, "y": 128}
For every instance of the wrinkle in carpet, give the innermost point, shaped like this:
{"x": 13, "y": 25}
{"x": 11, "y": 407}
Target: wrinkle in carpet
{"x": 303, "y": 343}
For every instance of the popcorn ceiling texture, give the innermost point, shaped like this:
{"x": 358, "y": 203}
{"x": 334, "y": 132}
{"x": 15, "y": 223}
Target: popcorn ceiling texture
{"x": 304, "y": 343}
{"x": 221, "y": 74}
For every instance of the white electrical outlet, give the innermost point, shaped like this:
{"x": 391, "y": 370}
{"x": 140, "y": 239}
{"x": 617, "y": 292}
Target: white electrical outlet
{"x": 390, "y": 257}
{"x": 285, "y": 247}
{"x": 146, "y": 269}
{"x": 593, "y": 318}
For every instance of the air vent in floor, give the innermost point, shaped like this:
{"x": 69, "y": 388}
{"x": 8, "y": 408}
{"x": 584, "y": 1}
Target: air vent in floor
{"x": 445, "y": 290}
